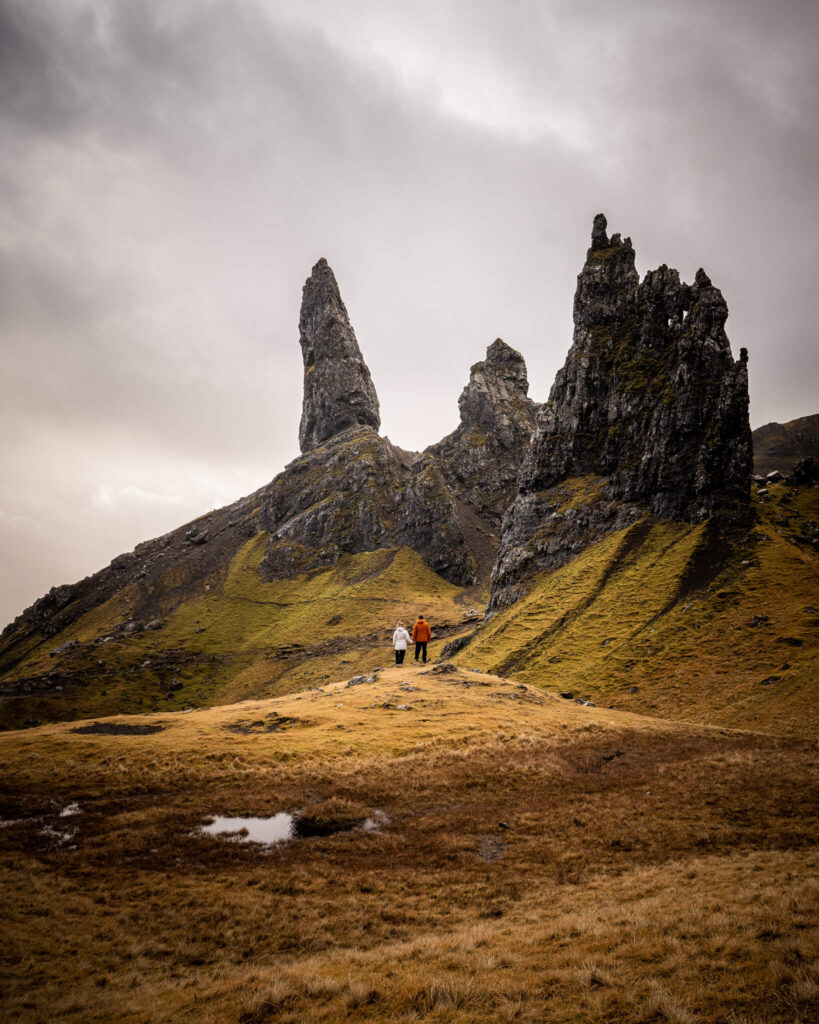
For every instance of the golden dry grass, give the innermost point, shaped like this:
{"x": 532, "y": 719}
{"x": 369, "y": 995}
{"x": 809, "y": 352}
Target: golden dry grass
{"x": 541, "y": 861}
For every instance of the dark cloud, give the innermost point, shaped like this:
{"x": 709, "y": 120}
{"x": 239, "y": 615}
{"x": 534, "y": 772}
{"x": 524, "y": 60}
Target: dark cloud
{"x": 170, "y": 173}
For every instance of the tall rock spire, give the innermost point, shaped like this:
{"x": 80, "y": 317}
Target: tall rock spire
{"x": 338, "y": 390}
{"x": 650, "y": 395}
{"x": 650, "y": 401}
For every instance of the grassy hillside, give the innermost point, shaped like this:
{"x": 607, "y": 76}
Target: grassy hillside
{"x": 663, "y": 618}
{"x": 535, "y": 860}
{"x": 233, "y": 637}
{"x": 677, "y": 620}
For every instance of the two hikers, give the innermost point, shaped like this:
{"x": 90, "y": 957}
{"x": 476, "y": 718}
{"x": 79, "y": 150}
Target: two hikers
{"x": 400, "y": 639}
{"x": 421, "y": 635}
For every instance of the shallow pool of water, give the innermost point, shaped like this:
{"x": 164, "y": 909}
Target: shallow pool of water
{"x": 277, "y": 829}
{"x": 375, "y": 823}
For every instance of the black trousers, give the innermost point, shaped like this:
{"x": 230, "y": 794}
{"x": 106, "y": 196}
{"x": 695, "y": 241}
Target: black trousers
{"x": 399, "y": 656}
{"x": 421, "y": 648}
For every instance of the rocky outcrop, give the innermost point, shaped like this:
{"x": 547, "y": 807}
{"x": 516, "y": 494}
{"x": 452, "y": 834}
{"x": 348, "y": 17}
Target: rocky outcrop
{"x": 338, "y": 390}
{"x": 353, "y": 491}
{"x": 480, "y": 460}
{"x": 650, "y": 405}
{"x": 357, "y": 492}
{"x": 648, "y": 416}
{"x": 806, "y": 471}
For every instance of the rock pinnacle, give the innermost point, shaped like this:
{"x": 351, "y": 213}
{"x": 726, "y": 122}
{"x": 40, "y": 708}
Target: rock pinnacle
{"x": 338, "y": 390}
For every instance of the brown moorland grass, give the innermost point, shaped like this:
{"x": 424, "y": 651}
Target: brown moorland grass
{"x": 539, "y": 861}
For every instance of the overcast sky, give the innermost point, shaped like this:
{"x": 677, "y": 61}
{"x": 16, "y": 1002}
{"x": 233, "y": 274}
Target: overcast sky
{"x": 170, "y": 170}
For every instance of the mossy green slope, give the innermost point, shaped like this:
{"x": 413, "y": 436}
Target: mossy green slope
{"x": 237, "y": 636}
{"x": 677, "y": 620}
{"x": 665, "y": 618}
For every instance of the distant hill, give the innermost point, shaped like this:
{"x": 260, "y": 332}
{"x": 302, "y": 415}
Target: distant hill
{"x": 781, "y": 445}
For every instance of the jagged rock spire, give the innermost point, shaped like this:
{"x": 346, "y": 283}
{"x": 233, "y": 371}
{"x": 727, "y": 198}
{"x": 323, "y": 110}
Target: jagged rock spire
{"x": 338, "y": 390}
{"x": 650, "y": 401}
{"x": 497, "y": 387}
{"x": 650, "y": 395}
{"x": 481, "y": 458}
{"x": 599, "y": 238}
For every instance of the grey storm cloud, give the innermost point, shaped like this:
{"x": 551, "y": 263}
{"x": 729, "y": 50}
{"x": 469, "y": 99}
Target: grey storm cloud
{"x": 170, "y": 172}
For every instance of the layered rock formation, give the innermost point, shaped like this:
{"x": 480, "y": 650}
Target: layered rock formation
{"x": 354, "y": 491}
{"x": 338, "y": 390}
{"x": 358, "y": 492}
{"x": 481, "y": 458}
{"x": 650, "y": 405}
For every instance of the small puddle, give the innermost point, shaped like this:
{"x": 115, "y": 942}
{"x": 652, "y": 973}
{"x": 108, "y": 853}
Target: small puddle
{"x": 281, "y": 827}
{"x": 268, "y": 831}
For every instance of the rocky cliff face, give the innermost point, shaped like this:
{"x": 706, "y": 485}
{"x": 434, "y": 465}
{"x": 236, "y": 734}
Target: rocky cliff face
{"x": 357, "y": 492}
{"x": 480, "y": 460}
{"x": 650, "y": 405}
{"x": 354, "y": 491}
{"x": 338, "y": 390}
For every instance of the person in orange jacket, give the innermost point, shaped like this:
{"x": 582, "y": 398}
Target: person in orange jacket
{"x": 421, "y": 635}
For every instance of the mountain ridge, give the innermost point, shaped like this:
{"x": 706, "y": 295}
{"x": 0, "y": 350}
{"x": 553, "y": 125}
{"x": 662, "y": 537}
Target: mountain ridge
{"x": 780, "y": 446}
{"x": 647, "y": 423}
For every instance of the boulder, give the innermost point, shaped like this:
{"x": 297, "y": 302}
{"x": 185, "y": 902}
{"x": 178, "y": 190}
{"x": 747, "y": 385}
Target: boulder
{"x": 72, "y": 645}
{"x": 454, "y": 646}
{"x": 806, "y": 471}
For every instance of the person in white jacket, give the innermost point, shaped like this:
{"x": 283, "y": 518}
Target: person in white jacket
{"x": 400, "y": 639}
